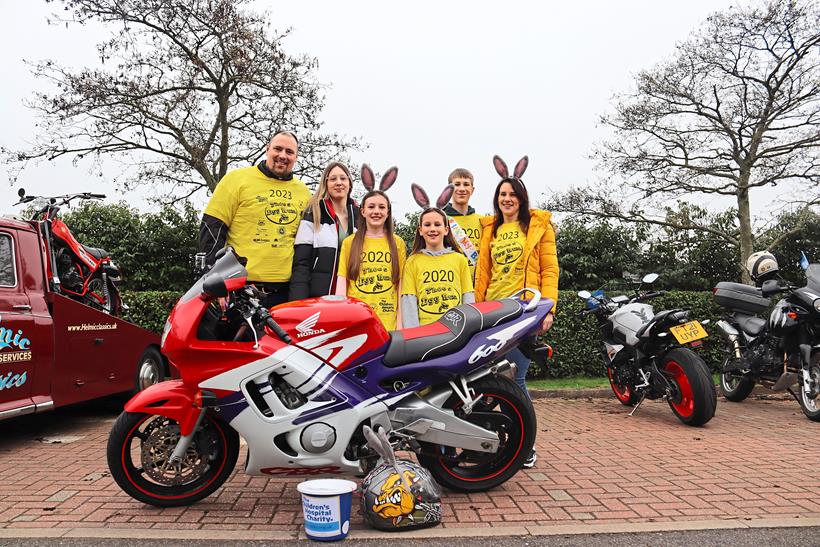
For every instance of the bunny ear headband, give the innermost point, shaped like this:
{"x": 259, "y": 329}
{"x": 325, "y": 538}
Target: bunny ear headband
{"x": 369, "y": 180}
{"x": 501, "y": 168}
{"x": 424, "y": 202}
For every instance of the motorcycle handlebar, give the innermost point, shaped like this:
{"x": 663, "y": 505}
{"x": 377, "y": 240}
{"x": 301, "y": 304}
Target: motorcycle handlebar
{"x": 650, "y": 295}
{"x": 274, "y": 326}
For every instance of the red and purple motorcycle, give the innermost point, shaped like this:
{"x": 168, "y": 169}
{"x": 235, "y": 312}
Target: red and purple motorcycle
{"x": 299, "y": 382}
{"x": 84, "y": 273}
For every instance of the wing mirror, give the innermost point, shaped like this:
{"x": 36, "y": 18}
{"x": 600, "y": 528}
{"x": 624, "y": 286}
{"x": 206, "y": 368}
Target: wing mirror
{"x": 586, "y": 295}
{"x": 770, "y": 287}
{"x": 214, "y": 287}
{"x": 649, "y": 278}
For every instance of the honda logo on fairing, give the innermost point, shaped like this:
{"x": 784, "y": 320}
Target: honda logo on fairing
{"x": 305, "y": 328}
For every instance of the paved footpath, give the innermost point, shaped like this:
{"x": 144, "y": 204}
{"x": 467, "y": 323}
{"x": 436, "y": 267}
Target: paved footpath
{"x": 754, "y": 465}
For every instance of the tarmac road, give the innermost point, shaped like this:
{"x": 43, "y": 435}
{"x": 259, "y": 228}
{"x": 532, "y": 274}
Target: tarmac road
{"x": 782, "y": 537}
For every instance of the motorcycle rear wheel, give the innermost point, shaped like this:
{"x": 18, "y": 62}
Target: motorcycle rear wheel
{"x": 736, "y": 387}
{"x": 513, "y": 418}
{"x": 95, "y": 297}
{"x": 810, "y": 402}
{"x": 694, "y": 400}
{"x": 140, "y": 445}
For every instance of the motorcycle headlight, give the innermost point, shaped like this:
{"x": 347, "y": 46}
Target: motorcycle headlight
{"x": 817, "y": 305}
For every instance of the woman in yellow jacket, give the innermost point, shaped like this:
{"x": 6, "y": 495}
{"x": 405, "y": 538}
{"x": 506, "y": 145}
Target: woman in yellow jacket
{"x": 517, "y": 251}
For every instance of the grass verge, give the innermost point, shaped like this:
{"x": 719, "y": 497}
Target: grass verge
{"x": 576, "y": 382}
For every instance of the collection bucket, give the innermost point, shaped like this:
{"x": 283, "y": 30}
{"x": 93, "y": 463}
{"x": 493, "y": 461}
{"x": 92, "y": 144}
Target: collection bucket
{"x": 326, "y": 507}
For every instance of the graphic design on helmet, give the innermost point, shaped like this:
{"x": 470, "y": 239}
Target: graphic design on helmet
{"x": 396, "y": 501}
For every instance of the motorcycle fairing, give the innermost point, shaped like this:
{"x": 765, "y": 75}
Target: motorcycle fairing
{"x": 172, "y": 399}
{"x": 340, "y": 400}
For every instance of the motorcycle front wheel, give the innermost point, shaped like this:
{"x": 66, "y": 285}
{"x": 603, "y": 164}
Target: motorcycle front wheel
{"x": 810, "y": 402}
{"x": 139, "y": 451}
{"x": 623, "y": 392}
{"x": 505, "y": 409}
{"x": 693, "y": 399}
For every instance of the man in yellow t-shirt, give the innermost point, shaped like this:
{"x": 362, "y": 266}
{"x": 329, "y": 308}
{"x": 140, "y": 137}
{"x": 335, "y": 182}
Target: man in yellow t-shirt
{"x": 375, "y": 286}
{"x": 459, "y": 207}
{"x": 256, "y": 210}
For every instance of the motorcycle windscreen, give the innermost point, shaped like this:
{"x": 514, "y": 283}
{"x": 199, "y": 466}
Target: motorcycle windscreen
{"x": 227, "y": 267}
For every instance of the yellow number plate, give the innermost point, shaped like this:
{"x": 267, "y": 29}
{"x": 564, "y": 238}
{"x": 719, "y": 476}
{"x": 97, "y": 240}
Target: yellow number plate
{"x": 688, "y": 332}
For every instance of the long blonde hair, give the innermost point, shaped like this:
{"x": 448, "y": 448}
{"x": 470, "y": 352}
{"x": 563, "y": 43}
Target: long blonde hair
{"x": 314, "y": 205}
{"x": 354, "y": 261}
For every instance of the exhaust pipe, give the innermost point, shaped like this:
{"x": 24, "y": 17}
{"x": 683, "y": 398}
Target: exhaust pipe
{"x": 731, "y": 334}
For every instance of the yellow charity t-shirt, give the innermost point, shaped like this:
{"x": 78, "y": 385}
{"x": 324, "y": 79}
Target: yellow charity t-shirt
{"x": 508, "y": 261}
{"x": 375, "y": 285}
{"x": 439, "y": 283}
{"x": 262, "y": 215}
{"x": 471, "y": 224}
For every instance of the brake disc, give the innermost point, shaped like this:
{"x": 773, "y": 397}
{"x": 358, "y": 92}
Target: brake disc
{"x": 161, "y": 437}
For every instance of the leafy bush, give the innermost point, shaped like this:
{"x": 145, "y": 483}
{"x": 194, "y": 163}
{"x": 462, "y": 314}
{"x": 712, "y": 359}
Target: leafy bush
{"x": 153, "y": 250}
{"x": 149, "y": 309}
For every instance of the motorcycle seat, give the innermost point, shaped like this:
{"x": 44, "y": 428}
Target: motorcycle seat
{"x": 750, "y": 324}
{"x": 450, "y": 333}
{"x": 97, "y": 253}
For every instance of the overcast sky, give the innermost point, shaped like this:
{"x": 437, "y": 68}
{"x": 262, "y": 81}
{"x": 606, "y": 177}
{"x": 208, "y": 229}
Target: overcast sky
{"x": 429, "y": 85}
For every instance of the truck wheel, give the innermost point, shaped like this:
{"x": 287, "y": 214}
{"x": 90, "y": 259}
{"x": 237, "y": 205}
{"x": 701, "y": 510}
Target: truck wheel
{"x": 150, "y": 369}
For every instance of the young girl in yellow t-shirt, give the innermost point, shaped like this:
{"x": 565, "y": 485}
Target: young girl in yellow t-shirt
{"x": 437, "y": 276}
{"x": 371, "y": 260}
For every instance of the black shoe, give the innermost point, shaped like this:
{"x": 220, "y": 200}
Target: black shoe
{"x": 529, "y": 463}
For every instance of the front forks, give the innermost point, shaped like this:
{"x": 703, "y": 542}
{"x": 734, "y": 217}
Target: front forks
{"x": 184, "y": 442}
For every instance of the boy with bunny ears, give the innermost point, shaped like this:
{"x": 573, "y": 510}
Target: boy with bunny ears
{"x": 460, "y": 211}
{"x": 436, "y": 276}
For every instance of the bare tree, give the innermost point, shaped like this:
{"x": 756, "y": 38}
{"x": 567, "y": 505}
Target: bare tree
{"x": 736, "y": 109}
{"x": 189, "y": 90}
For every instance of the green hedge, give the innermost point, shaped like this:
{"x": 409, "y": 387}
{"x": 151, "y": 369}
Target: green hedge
{"x": 149, "y": 309}
{"x": 573, "y": 338}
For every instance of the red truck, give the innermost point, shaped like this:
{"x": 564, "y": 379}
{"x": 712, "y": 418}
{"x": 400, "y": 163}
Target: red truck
{"x": 55, "y": 351}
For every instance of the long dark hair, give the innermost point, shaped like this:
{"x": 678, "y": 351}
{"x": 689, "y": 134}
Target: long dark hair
{"x": 523, "y": 202}
{"x": 449, "y": 239}
{"x": 354, "y": 261}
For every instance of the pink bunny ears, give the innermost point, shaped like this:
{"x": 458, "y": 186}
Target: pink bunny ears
{"x": 369, "y": 180}
{"x": 424, "y": 202}
{"x": 501, "y": 167}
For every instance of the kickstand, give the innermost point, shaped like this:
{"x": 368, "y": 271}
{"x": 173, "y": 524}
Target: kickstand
{"x": 637, "y": 406}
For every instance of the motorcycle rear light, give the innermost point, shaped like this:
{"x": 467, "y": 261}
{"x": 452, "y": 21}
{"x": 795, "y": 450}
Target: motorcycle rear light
{"x": 791, "y": 315}
{"x": 696, "y": 344}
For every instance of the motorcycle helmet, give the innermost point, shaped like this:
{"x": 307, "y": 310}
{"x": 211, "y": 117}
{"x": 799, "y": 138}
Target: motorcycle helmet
{"x": 762, "y": 265}
{"x": 398, "y": 497}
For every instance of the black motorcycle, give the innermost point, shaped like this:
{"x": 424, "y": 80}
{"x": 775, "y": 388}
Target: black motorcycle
{"x": 645, "y": 357}
{"x": 780, "y": 353}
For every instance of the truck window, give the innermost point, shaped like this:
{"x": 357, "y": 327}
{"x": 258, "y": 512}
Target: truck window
{"x": 8, "y": 272}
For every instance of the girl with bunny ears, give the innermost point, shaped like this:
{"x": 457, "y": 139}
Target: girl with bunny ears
{"x": 371, "y": 260}
{"x": 517, "y": 251}
{"x": 437, "y": 276}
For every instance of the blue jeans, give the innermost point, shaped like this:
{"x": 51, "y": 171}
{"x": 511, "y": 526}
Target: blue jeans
{"x": 523, "y": 363}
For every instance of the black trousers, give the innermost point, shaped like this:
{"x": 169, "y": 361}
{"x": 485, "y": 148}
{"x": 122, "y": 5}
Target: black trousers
{"x": 275, "y": 293}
